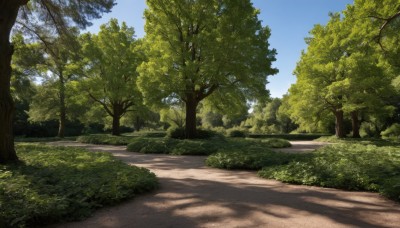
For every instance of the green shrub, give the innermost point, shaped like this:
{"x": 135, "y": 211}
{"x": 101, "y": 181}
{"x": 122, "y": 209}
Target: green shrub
{"x": 152, "y": 145}
{"x": 236, "y": 133}
{"x": 176, "y": 133}
{"x": 277, "y": 143}
{"x": 288, "y": 136}
{"x": 345, "y": 166}
{"x": 392, "y": 132}
{"x": 194, "y": 147}
{"x": 151, "y": 134}
{"x": 205, "y": 134}
{"x": 53, "y": 184}
{"x": 105, "y": 139}
{"x": 253, "y": 158}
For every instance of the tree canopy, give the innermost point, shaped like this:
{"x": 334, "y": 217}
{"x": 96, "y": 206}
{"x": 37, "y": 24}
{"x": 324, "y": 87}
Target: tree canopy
{"x": 204, "y": 49}
{"x": 110, "y": 59}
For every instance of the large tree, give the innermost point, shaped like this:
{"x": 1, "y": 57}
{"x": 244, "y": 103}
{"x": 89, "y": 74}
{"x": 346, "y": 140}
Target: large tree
{"x": 340, "y": 75}
{"x": 202, "y": 49}
{"x": 111, "y": 58}
{"x": 33, "y": 16}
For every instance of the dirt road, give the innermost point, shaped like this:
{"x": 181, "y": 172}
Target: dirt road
{"x": 193, "y": 195}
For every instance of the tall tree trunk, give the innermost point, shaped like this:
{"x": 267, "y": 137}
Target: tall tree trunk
{"x": 339, "y": 125}
{"x": 355, "y": 123}
{"x": 117, "y": 112}
{"x": 8, "y": 15}
{"x": 62, "y": 120}
{"x": 190, "y": 127}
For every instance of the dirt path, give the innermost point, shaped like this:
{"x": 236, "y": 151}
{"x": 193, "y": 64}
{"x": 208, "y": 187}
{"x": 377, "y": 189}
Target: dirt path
{"x": 192, "y": 195}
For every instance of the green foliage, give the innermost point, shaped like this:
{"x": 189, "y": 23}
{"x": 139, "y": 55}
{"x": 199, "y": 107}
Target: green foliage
{"x": 348, "y": 166}
{"x": 176, "y": 132}
{"x": 235, "y": 133}
{"x": 194, "y": 147}
{"x": 151, "y": 134}
{"x": 277, "y": 143}
{"x": 392, "y": 131}
{"x": 253, "y": 157}
{"x": 287, "y": 136}
{"x": 54, "y": 184}
{"x": 152, "y": 145}
{"x": 109, "y": 64}
{"x": 188, "y": 45}
{"x": 105, "y": 139}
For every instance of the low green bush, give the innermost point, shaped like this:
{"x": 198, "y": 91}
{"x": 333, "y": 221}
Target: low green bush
{"x": 151, "y": 134}
{"x": 152, "y": 145}
{"x": 277, "y": 143}
{"x": 105, "y": 139}
{"x": 392, "y": 132}
{"x": 345, "y": 166}
{"x": 194, "y": 147}
{"x": 288, "y": 136}
{"x": 251, "y": 158}
{"x": 53, "y": 184}
{"x": 176, "y": 133}
{"x": 233, "y": 133}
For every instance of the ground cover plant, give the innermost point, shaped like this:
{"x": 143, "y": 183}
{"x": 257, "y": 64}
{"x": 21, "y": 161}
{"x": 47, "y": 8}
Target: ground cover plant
{"x": 52, "y": 184}
{"x": 104, "y": 139}
{"x": 345, "y": 166}
{"x": 200, "y": 146}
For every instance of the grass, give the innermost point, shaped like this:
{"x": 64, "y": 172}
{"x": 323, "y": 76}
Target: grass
{"x": 198, "y": 146}
{"x": 53, "y": 184}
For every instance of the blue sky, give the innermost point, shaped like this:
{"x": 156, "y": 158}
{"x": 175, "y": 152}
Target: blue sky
{"x": 289, "y": 20}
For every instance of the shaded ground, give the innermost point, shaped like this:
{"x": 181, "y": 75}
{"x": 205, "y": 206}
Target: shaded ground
{"x": 192, "y": 195}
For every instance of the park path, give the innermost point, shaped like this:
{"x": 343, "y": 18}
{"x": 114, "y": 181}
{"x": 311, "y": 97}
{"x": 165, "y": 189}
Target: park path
{"x": 193, "y": 195}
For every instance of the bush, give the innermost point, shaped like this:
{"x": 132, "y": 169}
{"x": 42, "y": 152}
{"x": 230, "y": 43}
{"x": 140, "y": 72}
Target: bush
{"x": 193, "y": 147}
{"x": 392, "y": 132}
{"x": 288, "y": 136}
{"x": 345, "y": 166}
{"x": 152, "y": 145}
{"x": 236, "y": 133}
{"x": 53, "y": 184}
{"x": 176, "y": 133}
{"x": 105, "y": 139}
{"x": 253, "y": 158}
{"x": 152, "y": 134}
{"x": 205, "y": 134}
{"x": 277, "y": 143}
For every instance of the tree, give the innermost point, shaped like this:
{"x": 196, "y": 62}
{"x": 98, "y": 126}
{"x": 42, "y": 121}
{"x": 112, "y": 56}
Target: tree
{"x": 378, "y": 22}
{"x": 52, "y": 14}
{"x": 111, "y": 59}
{"x": 202, "y": 50}
{"x": 338, "y": 74}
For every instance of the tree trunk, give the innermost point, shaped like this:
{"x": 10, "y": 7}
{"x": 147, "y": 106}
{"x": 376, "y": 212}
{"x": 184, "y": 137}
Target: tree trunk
{"x": 339, "y": 125}
{"x": 8, "y": 15}
{"x": 190, "y": 127}
{"x": 355, "y": 123}
{"x": 62, "y": 120}
{"x": 117, "y": 112}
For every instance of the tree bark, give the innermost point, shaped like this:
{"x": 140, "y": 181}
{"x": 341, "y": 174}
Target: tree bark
{"x": 8, "y": 15}
{"x": 355, "y": 123}
{"x": 190, "y": 127}
{"x": 117, "y": 112}
{"x": 339, "y": 125}
{"x": 62, "y": 120}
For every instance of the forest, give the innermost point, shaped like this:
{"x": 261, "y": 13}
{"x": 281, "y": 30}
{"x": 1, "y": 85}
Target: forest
{"x": 195, "y": 84}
